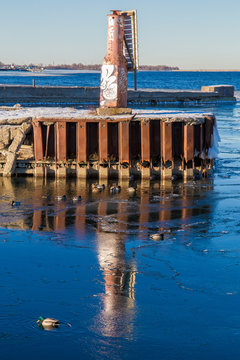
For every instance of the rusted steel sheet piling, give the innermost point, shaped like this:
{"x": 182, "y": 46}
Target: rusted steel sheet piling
{"x": 80, "y": 143}
{"x": 149, "y": 144}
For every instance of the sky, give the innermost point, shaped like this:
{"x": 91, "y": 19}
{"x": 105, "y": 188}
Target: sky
{"x": 189, "y": 34}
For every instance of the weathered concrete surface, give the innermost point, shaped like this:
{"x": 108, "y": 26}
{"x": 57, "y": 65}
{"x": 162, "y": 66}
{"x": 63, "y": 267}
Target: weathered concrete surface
{"x": 222, "y": 90}
{"x": 44, "y": 95}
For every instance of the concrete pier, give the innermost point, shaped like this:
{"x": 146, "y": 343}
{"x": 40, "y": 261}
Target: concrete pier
{"x": 76, "y": 95}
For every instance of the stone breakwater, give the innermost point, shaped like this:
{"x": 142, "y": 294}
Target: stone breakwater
{"x": 49, "y": 95}
{"x": 63, "y": 142}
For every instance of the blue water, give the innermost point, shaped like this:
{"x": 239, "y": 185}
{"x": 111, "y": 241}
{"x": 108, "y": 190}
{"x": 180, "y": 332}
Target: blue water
{"x": 145, "y": 79}
{"x": 92, "y": 264}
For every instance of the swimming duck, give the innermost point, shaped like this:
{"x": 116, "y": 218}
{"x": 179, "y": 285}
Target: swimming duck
{"x": 157, "y": 237}
{"x": 115, "y": 189}
{"x": 76, "y": 198}
{"x": 131, "y": 190}
{"x": 48, "y": 322}
{"x": 15, "y": 203}
{"x": 101, "y": 187}
{"x": 60, "y": 197}
{"x": 46, "y": 197}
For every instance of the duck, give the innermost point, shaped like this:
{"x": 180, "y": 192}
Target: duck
{"x": 47, "y": 322}
{"x": 96, "y": 189}
{"x": 76, "y": 198}
{"x": 113, "y": 189}
{"x": 131, "y": 190}
{"x": 60, "y": 197}
{"x": 46, "y": 197}
{"x": 101, "y": 187}
{"x": 157, "y": 237}
{"x": 15, "y": 203}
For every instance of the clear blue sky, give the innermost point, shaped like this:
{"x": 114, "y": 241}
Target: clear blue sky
{"x": 189, "y": 34}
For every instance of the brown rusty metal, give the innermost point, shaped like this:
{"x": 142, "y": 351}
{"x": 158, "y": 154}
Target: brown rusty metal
{"x": 123, "y": 132}
{"x": 82, "y": 141}
{"x": 103, "y": 141}
{"x": 113, "y": 88}
{"x": 188, "y": 142}
{"x": 145, "y": 141}
{"x": 47, "y": 138}
{"x": 166, "y": 141}
{"x": 38, "y": 140}
{"x": 61, "y": 141}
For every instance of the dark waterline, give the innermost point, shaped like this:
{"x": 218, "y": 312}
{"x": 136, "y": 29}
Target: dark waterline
{"x": 94, "y": 265}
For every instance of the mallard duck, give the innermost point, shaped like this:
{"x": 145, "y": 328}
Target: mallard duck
{"x": 113, "y": 189}
{"x": 46, "y": 197}
{"x": 76, "y": 198}
{"x": 60, "y": 197}
{"x": 101, "y": 187}
{"x": 131, "y": 190}
{"x": 96, "y": 190}
{"x": 15, "y": 203}
{"x": 48, "y": 322}
{"x": 157, "y": 237}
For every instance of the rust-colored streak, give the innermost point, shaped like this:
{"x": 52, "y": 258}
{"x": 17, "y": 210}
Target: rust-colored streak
{"x": 145, "y": 141}
{"x": 82, "y": 141}
{"x": 103, "y": 141}
{"x": 37, "y": 219}
{"x": 124, "y": 142}
{"x": 188, "y": 142}
{"x": 38, "y": 140}
{"x": 60, "y": 221}
{"x": 166, "y": 141}
{"x": 80, "y": 218}
{"x": 61, "y": 145}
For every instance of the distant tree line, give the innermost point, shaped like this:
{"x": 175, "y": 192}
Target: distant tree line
{"x": 81, "y": 66}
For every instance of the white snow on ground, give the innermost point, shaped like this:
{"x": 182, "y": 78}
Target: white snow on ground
{"x": 68, "y": 113}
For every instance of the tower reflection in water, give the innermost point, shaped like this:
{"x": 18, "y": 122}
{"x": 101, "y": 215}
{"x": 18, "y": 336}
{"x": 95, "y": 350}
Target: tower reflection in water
{"x": 155, "y": 207}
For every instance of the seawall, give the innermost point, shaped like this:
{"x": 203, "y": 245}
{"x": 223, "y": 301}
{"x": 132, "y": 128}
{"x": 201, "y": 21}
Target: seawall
{"x": 48, "y": 95}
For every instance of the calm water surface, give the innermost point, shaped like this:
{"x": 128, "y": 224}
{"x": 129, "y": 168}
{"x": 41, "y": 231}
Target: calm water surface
{"x": 92, "y": 264}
